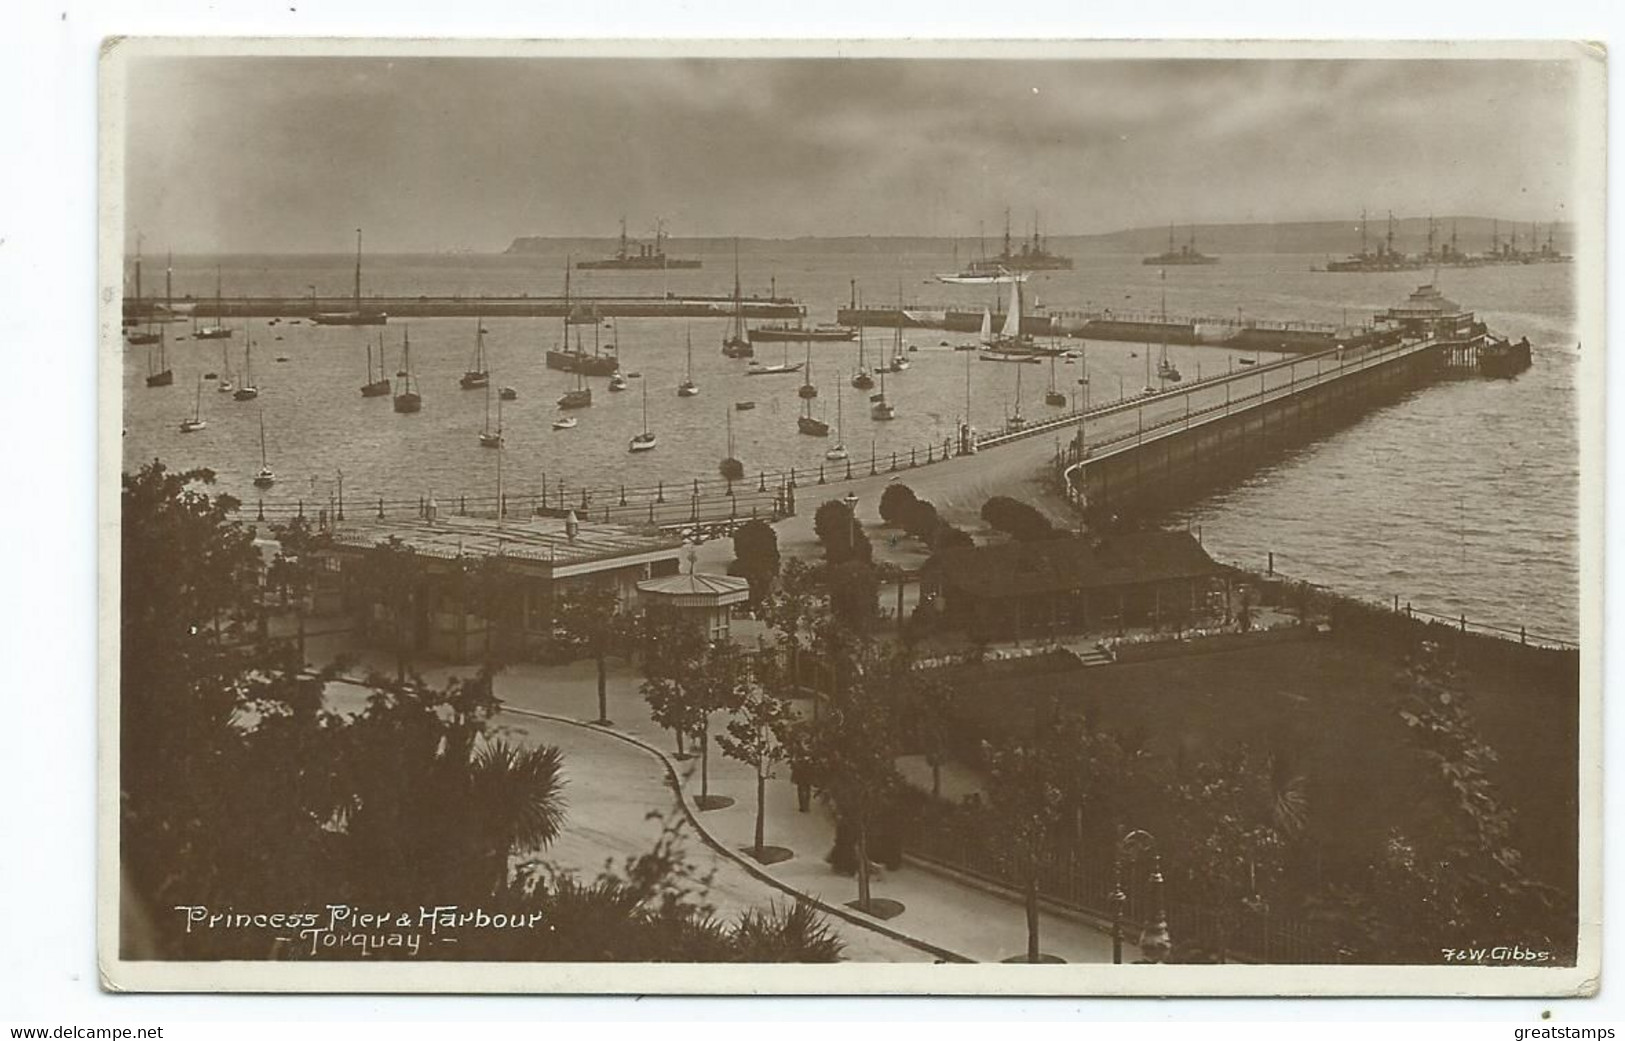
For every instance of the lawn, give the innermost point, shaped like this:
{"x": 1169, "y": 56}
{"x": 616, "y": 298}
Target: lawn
{"x": 1330, "y": 704}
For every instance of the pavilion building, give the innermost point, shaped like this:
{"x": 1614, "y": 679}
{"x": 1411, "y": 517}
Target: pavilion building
{"x": 545, "y": 557}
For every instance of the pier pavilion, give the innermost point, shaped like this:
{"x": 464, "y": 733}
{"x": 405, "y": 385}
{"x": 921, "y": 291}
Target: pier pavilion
{"x": 544, "y": 557}
{"x": 1148, "y": 578}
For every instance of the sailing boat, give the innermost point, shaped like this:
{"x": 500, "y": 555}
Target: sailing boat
{"x": 986, "y": 335}
{"x": 807, "y": 390}
{"x": 225, "y": 386}
{"x": 807, "y": 424}
{"x": 376, "y": 388}
{"x": 756, "y": 368}
{"x": 246, "y": 390}
{"x": 1166, "y": 370}
{"x": 266, "y": 477}
{"x": 355, "y": 316}
{"x": 899, "y": 351}
{"x": 491, "y": 438}
{"x": 215, "y": 331}
{"x": 862, "y": 378}
{"x": 617, "y": 381}
{"x": 1053, "y": 397}
{"x": 880, "y": 408}
{"x": 478, "y": 374}
{"x": 162, "y": 375}
{"x": 737, "y": 343}
{"x": 645, "y": 441}
{"x": 838, "y": 451}
{"x": 197, "y": 422}
{"x": 1015, "y": 420}
{"x": 407, "y": 398}
{"x": 731, "y": 468}
{"x": 688, "y": 388}
{"x": 148, "y": 337}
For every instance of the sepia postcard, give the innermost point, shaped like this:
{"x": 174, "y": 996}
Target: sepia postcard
{"x": 746, "y": 517}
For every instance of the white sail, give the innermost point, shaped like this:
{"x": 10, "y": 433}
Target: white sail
{"x": 1012, "y": 320}
{"x": 987, "y": 325}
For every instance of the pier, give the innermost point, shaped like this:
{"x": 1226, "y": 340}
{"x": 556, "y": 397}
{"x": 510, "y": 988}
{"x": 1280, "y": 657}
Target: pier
{"x": 1180, "y": 445}
{"x": 305, "y": 307}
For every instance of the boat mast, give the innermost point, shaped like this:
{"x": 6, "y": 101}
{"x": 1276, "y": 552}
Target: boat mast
{"x": 169, "y": 290}
{"x": 358, "y": 270}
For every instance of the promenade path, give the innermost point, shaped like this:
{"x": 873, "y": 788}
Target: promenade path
{"x": 614, "y": 784}
{"x": 1019, "y": 465}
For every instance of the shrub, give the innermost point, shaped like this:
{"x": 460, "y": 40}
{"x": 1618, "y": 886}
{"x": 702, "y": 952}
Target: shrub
{"x": 894, "y": 502}
{"x": 839, "y": 532}
{"x": 919, "y": 518}
{"x": 1020, "y": 520}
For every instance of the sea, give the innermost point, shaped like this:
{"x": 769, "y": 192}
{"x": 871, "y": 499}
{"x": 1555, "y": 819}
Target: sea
{"x": 1459, "y": 499}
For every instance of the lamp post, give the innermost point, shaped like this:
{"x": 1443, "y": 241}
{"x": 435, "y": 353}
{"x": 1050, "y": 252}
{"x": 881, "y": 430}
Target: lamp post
{"x": 1157, "y": 942}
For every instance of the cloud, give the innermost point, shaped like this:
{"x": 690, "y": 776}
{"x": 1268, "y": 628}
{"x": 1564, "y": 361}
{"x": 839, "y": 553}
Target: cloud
{"x": 271, "y": 154}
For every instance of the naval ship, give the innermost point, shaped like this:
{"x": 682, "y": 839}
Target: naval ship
{"x": 639, "y": 256}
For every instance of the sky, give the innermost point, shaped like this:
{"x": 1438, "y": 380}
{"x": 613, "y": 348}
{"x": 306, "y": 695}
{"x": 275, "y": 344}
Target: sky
{"x": 291, "y": 154}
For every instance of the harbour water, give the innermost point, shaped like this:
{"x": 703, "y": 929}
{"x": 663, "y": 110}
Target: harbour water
{"x": 1460, "y": 499}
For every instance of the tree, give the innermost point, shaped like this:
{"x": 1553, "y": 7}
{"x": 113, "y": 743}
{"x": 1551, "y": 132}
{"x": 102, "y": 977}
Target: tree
{"x": 756, "y": 557}
{"x": 790, "y": 609}
{"x": 719, "y": 684}
{"x": 949, "y": 537}
{"x": 1231, "y": 837}
{"x": 1021, "y": 521}
{"x": 673, "y": 650}
{"x": 293, "y": 570}
{"x": 852, "y": 747}
{"x": 1458, "y": 874}
{"x": 920, "y": 519}
{"x": 853, "y": 589}
{"x": 894, "y": 500}
{"x": 928, "y": 709}
{"x": 389, "y": 575}
{"x": 1024, "y": 796}
{"x": 592, "y": 617}
{"x": 757, "y": 736}
{"x": 839, "y": 532}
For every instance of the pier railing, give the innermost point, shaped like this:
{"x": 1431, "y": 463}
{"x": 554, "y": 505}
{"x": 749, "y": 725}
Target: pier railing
{"x": 770, "y": 492}
{"x": 1396, "y": 605}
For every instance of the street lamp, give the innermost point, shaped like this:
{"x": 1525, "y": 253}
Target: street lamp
{"x": 1157, "y": 942}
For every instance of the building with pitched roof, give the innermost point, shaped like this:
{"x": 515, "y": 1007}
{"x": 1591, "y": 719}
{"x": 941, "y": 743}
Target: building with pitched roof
{"x": 1146, "y": 578}
{"x": 707, "y": 599}
{"x": 542, "y": 557}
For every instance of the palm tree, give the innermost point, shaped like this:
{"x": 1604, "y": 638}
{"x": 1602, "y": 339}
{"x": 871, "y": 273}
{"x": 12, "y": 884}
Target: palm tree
{"x": 515, "y": 799}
